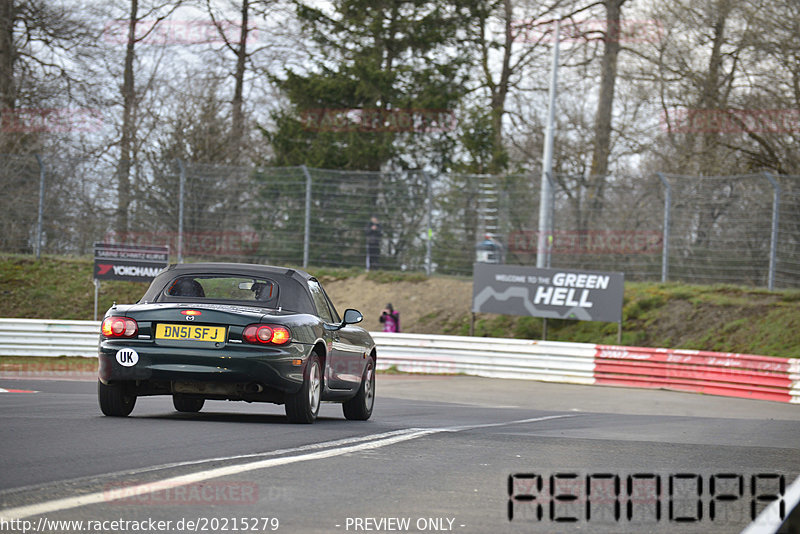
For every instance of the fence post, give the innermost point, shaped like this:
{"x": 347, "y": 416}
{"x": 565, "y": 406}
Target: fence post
{"x": 551, "y": 229}
{"x": 40, "y": 217}
{"x": 665, "y": 238}
{"x": 545, "y": 213}
{"x": 429, "y": 215}
{"x": 181, "y": 194}
{"x": 773, "y": 242}
{"x": 307, "y": 223}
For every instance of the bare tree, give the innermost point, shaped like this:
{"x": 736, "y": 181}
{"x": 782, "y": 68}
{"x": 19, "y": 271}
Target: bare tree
{"x": 35, "y": 39}
{"x": 8, "y": 54}
{"x": 239, "y": 49}
{"x": 130, "y": 100}
{"x": 510, "y": 42}
{"x": 774, "y": 85}
{"x": 37, "y": 86}
{"x": 605, "y": 104}
{"x": 255, "y": 40}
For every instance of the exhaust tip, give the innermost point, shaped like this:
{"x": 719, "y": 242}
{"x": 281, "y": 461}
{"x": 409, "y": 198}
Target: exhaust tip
{"x": 254, "y": 387}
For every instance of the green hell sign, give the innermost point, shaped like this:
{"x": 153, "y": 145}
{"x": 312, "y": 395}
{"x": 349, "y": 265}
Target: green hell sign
{"x": 548, "y": 293}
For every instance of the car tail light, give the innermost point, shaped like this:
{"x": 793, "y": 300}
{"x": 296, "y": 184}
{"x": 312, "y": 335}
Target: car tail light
{"x": 119, "y": 327}
{"x": 266, "y": 334}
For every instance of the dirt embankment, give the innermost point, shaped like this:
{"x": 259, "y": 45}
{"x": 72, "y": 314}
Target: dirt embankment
{"x": 724, "y": 318}
{"x": 425, "y": 307}
{"x": 721, "y": 317}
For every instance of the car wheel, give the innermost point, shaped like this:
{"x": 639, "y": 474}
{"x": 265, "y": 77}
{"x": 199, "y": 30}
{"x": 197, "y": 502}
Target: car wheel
{"x": 187, "y": 404}
{"x": 115, "y": 400}
{"x": 359, "y": 408}
{"x": 303, "y": 406}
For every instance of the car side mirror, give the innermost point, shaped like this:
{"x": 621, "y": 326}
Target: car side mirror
{"x": 352, "y": 316}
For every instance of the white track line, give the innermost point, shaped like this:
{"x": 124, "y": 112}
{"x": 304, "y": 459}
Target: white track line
{"x": 200, "y": 476}
{"x": 768, "y": 521}
{"x": 173, "y": 465}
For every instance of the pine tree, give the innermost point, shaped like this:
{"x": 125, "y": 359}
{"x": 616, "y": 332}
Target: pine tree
{"x": 382, "y": 91}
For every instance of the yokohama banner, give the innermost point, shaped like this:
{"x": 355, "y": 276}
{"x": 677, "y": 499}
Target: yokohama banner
{"x": 134, "y": 263}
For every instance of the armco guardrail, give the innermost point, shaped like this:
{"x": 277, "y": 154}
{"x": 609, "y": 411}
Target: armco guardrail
{"x": 38, "y": 337}
{"x": 728, "y": 374}
{"x": 491, "y": 357}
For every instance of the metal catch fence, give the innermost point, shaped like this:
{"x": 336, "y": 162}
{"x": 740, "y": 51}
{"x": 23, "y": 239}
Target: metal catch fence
{"x": 727, "y": 229}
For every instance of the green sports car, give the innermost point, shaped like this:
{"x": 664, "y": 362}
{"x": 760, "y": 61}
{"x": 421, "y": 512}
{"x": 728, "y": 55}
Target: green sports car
{"x": 227, "y": 331}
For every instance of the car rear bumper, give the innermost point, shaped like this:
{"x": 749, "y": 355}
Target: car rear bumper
{"x": 230, "y": 372}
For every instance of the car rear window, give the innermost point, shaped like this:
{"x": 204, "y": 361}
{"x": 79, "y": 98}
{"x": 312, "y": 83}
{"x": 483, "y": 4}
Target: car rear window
{"x": 224, "y": 287}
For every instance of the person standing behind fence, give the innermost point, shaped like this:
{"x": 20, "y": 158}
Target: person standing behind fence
{"x": 373, "y": 234}
{"x": 390, "y": 319}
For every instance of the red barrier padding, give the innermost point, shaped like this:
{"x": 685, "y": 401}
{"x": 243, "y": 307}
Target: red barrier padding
{"x": 717, "y": 373}
{"x": 654, "y": 383}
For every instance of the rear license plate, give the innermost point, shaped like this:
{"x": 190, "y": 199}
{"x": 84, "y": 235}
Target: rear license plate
{"x": 193, "y": 332}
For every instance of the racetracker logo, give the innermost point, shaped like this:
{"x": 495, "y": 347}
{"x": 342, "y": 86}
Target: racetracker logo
{"x": 195, "y": 243}
{"x": 637, "y": 501}
{"x": 731, "y": 121}
{"x": 623, "y": 31}
{"x": 588, "y": 242}
{"x": 50, "y": 120}
{"x": 170, "y": 494}
{"x": 178, "y": 32}
{"x": 74, "y": 367}
{"x": 379, "y": 120}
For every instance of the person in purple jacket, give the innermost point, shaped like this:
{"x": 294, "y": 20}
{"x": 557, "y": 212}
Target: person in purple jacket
{"x": 390, "y": 319}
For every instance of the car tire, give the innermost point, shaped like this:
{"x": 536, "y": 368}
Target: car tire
{"x": 303, "y": 406}
{"x": 115, "y": 400}
{"x": 187, "y": 404}
{"x": 359, "y": 408}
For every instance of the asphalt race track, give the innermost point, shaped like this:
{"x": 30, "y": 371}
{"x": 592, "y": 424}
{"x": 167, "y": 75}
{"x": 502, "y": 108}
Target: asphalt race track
{"x": 441, "y": 454}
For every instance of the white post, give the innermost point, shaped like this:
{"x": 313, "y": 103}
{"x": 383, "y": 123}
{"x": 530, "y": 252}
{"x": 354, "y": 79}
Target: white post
{"x": 38, "y": 247}
{"x": 181, "y": 203}
{"x": 773, "y": 240}
{"x": 307, "y": 220}
{"x": 96, "y": 296}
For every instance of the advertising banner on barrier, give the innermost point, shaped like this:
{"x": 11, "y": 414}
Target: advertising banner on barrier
{"x": 548, "y": 293}
{"x": 136, "y": 263}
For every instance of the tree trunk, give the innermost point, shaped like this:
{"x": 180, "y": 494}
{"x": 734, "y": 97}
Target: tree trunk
{"x": 605, "y": 108}
{"x": 128, "y": 126}
{"x": 500, "y": 93}
{"x": 8, "y": 93}
{"x": 710, "y": 91}
{"x": 711, "y": 99}
{"x": 237, "y": 126}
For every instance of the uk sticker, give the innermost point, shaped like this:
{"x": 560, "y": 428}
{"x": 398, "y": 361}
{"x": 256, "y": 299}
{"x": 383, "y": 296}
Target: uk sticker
{"x": 127, "y": 357}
